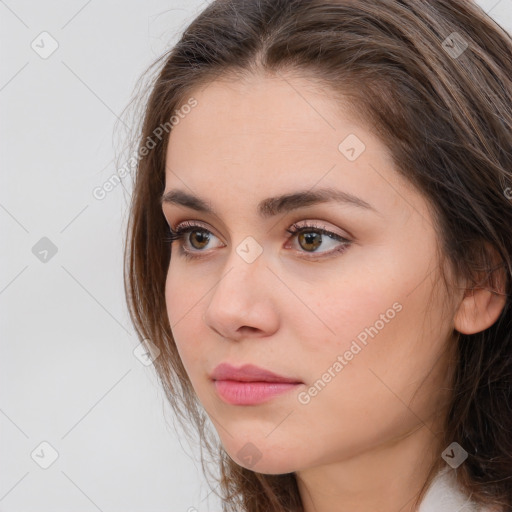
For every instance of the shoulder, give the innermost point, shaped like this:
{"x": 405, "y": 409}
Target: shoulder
{"x": 445, "y": 495}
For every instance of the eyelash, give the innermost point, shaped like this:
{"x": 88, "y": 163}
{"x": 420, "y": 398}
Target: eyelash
{"x": 187, "y": 227}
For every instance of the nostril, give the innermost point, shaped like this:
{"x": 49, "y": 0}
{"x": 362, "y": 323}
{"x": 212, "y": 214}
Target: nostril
{"x": 248, "y": 328}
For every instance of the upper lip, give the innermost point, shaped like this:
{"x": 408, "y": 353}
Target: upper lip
{"x": 247, "y": 373}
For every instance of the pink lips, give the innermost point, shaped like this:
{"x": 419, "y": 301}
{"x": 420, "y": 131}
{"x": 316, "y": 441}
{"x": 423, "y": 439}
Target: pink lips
{"x": 249, "y": 384}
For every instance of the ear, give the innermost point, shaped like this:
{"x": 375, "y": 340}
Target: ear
{"x": 483, "y": 303}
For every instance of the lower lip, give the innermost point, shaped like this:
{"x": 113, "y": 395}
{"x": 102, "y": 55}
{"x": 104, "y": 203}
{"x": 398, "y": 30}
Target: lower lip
{"x": 249, "y": 393}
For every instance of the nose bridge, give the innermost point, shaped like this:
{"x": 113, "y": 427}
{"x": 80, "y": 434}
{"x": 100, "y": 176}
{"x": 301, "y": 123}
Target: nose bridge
{"x": 245, "y": 267}
{"x": 241, "y": 296}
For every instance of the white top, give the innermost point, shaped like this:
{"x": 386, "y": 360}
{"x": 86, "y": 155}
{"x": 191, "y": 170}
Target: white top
{"x": 445, "y": 495}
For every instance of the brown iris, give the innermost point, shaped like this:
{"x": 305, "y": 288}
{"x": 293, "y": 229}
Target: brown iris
{"x": 310, "y": 238}
{"x": 203, "y": 237}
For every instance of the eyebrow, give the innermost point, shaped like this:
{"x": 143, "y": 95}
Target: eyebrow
{"x": 271, "y": 206}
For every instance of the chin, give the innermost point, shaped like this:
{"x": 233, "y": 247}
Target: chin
{"x": 270, "y": 467}
{"x": 267, "y": 459}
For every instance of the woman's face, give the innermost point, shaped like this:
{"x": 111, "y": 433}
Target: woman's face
{"x": 356, "y": 317}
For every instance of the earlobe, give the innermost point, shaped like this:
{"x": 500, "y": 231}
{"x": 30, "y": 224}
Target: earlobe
{"x": 479, "y": 309}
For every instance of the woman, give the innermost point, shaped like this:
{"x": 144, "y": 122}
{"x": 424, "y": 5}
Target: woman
{"x": 320, "y": 249}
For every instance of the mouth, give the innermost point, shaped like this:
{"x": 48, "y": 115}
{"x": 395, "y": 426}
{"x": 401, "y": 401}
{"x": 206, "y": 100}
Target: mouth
{"x": 249, "y": 384}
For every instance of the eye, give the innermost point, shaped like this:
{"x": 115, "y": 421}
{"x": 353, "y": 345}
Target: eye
{"x": 309, "y": 237}
{"x": 199, "y": 239}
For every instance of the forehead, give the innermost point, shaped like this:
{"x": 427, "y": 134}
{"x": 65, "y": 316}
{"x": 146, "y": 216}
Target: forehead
{"x": 262, "y": 137}
{"x": 278, "y": 105}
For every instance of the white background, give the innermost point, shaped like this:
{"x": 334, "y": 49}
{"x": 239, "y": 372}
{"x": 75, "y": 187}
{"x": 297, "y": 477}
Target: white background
{"x": 68, "y": 374}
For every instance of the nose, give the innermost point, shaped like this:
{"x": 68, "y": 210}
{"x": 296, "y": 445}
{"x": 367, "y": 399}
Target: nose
{"x": 242, "y": 303}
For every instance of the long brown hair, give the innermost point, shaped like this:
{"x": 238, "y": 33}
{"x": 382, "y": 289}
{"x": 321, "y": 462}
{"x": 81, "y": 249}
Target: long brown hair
{"x": 433, "y": 78}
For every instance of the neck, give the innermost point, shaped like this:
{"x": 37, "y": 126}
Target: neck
{"x": 387, "y": 478}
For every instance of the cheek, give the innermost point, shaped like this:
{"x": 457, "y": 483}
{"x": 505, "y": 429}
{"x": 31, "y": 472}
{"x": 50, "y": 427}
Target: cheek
{"x": 374, "y": 311}
{"x": 184, "y": 314}
{"x": 344, "y": 307}
{"x": 385, "y": 360}
{"x": 183, "y": 294}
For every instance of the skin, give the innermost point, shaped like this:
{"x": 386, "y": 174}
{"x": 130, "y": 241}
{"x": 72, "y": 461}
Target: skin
{"x": 366, "y": 440}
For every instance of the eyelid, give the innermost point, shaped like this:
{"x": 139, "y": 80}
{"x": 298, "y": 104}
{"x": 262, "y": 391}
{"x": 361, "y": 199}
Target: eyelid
{"x": 297, "y": 225}
{"x": 317, "y": 225}
{"x": 192, "y": 224}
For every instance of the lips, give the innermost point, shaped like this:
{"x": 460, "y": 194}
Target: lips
{"x": 249, "y": 373}
{"x": 249, "y": 384}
